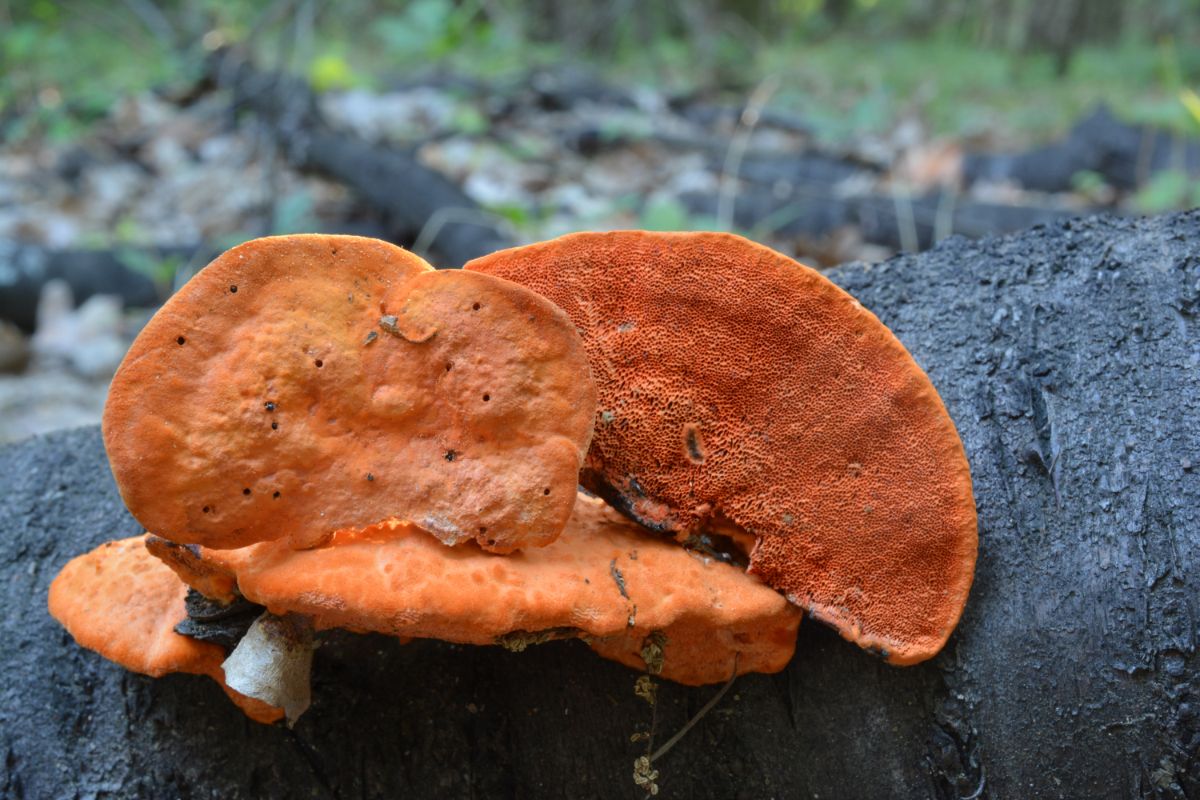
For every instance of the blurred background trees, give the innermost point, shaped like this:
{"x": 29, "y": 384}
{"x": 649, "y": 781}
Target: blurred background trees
{"x": 138, "y": 138}
{"x": 70, "y": 58}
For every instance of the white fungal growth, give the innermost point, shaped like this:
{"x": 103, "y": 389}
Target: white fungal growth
{"x": 273, "y": 662}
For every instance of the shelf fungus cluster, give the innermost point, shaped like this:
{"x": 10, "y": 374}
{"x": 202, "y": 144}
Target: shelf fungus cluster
{"x": 323, "y": 432}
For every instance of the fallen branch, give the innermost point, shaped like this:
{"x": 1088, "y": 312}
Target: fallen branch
{"x": 122, "y": 271}
{"x": 407, "y": 193}
{"x": 1124, "y": 155}
{"x": 1066, "y": 356}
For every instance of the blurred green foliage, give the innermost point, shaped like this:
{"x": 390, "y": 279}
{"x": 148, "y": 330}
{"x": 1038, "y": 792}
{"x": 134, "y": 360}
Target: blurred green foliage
{"x": 846, "y": 65}
{"x": 65, "y": 64}
{"x": 1167, "y": 190}
{"x": 160, "y": 270}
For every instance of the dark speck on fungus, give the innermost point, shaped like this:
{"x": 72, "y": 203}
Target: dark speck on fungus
{"x": 451, "y": 455}
{"x": 233, "y": 289}
{"x": 388, "y": 323}
{"x": 182, "y": 341}
{"x": 618, "y": 578}
{"x": 269, "y": 405}
{"x": 695, "y": 448}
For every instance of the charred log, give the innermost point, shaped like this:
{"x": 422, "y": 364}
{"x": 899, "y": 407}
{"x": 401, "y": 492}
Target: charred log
{"x": 1068, "y": 358}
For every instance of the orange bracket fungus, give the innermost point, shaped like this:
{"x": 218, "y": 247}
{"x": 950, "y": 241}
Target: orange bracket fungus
{"x": 604, "y": 580}
{"x": 324, "y": 432}
{"x": 303, "y": 384}
{"x": 744, "y": 394}
{"x": 122, "y": 602}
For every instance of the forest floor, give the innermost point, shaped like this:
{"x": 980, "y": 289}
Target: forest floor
{"x": 829, "y": 158}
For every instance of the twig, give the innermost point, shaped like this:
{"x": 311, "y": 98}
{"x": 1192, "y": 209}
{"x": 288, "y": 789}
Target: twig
{"x": 155, "y": 21}
{"x": 982, "y": 783}
{"x": 943, "y": 224}
{"x": 737, "y": 148}
{"x": 906, "y": 224}
{"x": 302, "y": 34}
{"x": 111, "y": 24}
{"x": 447, "y": 215}
{"x": 653, "y": 728}
{"x": 662, "y": 751}
{"x": 266, "y": 18}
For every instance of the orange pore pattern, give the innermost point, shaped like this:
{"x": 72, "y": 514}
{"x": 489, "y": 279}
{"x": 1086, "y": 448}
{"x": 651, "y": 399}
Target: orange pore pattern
{"x": 735, "y": 383}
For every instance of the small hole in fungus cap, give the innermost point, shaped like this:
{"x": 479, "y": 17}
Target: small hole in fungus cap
{"x": 275, "y": 495}
{"x": 233, "y": 289}
{"x": 206, "y": 509}
{"x": 182, "y": 341}
{"x": 319, "y": 363}
{"x": 475, "y": 307}
{"x": 546, "y": 491}
{"x": 274, "y": 426}
{"x": 487, "y": 397}
{"x": 449, "y": 364}
{"x": 246, "y": 491}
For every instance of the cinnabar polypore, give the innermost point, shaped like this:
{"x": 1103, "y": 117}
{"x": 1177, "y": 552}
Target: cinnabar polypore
{"x": 124, "y": 603}
{"x": 742, "y": 391}
{"x": 605, "y": 579}
{"x": 303, "y": 384}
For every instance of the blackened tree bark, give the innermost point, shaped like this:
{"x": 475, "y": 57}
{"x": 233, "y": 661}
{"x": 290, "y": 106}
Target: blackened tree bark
{"x": 1069, "y": 356}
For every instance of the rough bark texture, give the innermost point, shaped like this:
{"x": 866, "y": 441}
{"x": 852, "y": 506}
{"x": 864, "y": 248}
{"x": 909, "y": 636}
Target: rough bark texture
{"x": 1069, "y": 356}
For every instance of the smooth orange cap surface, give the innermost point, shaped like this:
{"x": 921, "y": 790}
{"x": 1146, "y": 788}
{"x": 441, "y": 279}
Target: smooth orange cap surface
{"x": 302, "y": 384}
{"x": 123, "y": 603}
{"x": 742, "y": 390}
{"x": 605, "y": 579}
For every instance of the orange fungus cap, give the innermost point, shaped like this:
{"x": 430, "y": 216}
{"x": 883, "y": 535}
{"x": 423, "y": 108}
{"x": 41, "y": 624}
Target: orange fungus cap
{"x": 123, "y": 603}
{"x": 605, "y": 579}
{"x": 302, "y": 384}
{"x": 740, "y": 389}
